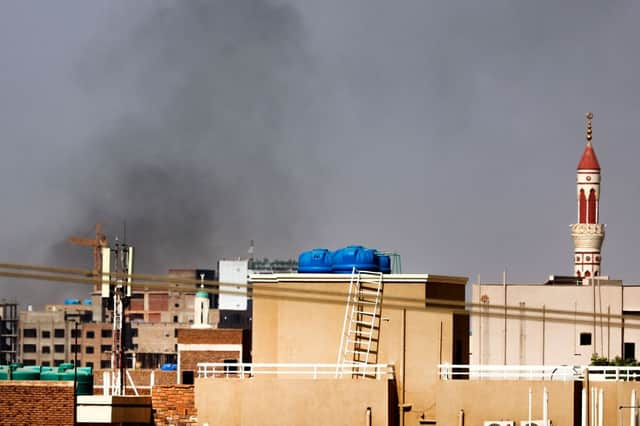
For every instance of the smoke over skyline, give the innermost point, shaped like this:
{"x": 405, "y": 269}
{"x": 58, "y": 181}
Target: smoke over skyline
{"x": 447, "y": 133}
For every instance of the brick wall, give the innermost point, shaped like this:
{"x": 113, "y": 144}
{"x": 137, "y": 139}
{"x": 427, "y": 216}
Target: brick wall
{"x": 189, "y": 359}
{"x": 209, "y": 336}
{"x": 36, "y": 403}
{"x": 174, "y": 405}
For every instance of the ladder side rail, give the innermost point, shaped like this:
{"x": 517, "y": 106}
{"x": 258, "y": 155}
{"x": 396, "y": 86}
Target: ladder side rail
{"x": 373, "y": 322}
{"x": 345, "y": 334}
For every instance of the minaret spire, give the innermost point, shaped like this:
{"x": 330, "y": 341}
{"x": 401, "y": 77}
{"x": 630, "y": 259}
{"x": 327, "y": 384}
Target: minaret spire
{"x": 588, "y": 233}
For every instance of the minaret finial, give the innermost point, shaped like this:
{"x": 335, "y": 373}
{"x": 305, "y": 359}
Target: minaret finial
{"x": 589, "y": 127}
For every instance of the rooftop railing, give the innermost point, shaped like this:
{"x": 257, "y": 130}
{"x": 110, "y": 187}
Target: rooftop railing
{"x": 307, "y": 371}
{"x": 537, "y": 372}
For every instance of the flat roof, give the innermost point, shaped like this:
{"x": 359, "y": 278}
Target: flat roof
{"x": 345, "y": 278}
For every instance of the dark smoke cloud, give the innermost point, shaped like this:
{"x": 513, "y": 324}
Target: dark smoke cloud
{"x": 192, "y": 166}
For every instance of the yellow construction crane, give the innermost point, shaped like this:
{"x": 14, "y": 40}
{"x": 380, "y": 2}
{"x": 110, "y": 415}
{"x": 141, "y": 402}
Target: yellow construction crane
{"x": 97, "y": 243}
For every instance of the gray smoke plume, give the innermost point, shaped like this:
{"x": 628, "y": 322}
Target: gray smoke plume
{"x": 191, "y": 167}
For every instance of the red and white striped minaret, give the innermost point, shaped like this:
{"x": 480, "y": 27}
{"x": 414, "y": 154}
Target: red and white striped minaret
{"x": 588, "y": 233}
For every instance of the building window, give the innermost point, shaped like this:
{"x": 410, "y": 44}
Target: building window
{"x": 177, "y": 305}
{"x": 585, "y": 339}
{"x": 59, "y": 332}
{"x": 29, "y": 362}
{"x": 46, "y": 334}
{"x": 46, "y": 349}
{"x": 91, "y": 334}
{"x": 175, "y": 332}
{"x": 46, "y": 363}
{"x": 134, "y": 332}
{"x": 175, "y": 318}
{"x": 106, "y": 333}
{"x": 57, "y": 362}
{"x": 629, "y": 350}
{"x": 88, "y": 364}
{"x": 75, "y": 349}
{"x": 29, "y": 332}
{"x": 59, "y": 349}
{"x": 28, "y": 349}
{"x": 76, "y": 333}
{"x": 88, "y": 349}
{"x": 105, "y": 348}
{"x": 105, "y": 363}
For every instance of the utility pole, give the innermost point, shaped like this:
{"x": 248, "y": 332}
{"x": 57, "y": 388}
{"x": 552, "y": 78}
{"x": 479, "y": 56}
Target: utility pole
{"x": 118, "y": 287}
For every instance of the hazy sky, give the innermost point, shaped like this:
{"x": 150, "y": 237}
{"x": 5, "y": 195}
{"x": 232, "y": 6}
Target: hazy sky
{"x": 447, "y": 131}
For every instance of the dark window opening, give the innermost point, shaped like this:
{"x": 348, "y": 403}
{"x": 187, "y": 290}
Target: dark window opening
{"x": 46, "y": 363}
{"x": 46, "y": 350}
{"x": 105, "y": 363}
{"x": 27, "y": 349}
{"x": 105, "y": 348}
{"x": 59, "y": 349}
{"x": 75, "y": 349}
{"x": 88, "y": 364}
{"x": 29, "y": 332}
{"x": 46, "y": 334}
{"x": 187, "y": 377}
{"x": 76, "y": 333}
{"x": 57, "y": 362}
{"x": 88, "y": 349}
{"x": 175, "y": 318}
{"x": 91, "y": 334}
{"x": 629, "y": 350}
{"x": 58, "y": 332}
{"x": 29, "y": 362}
{"x": 106, "y": 333}
{"x": 585, "y": 339}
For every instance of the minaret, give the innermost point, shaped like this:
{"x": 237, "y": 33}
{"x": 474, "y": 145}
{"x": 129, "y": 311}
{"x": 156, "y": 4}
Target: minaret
{"x": 201, "y": 307}
{"x": 588, "y": 233}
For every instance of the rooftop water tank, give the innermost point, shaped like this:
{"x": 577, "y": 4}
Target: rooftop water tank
{"x": 88, "y": 301}
{"x": 169, "y": 367}
{"x": 359, "y": 257}
{"x": 71, "y": 301}
{"x": 384, "y": 263}
{"x": 316, "y": 261}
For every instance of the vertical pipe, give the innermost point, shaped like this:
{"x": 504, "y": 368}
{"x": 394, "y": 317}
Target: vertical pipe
{"x": 403, "y": 344}
{"x": 632, "y": 415}
{"x": 530, "y": 403}
{"x": 545, "y": 406}
{"x": 584, "y": 412}
{"x": 609, "y": 332}
{"x": 367, "y": 417}
{"x": 544, "y": 317}
{"x": 461, "y": 417}
{"x": 504, "y": 285}
{"x": 601, "y": 407}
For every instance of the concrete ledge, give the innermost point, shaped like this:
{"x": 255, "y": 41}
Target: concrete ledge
{"x": 113, "y": 409}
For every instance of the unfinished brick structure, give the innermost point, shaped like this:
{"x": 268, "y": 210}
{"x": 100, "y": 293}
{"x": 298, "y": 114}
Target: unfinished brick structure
{"x": 36, "y": 403}
{"x": 174, "y": 405}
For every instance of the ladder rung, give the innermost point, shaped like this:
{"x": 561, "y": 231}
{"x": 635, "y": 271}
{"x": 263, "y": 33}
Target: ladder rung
{"x": 373, "y": 314}
{"x": 367, "y": 291}
{"x": 365, "y": 323}
{"x": 360, "y": 332}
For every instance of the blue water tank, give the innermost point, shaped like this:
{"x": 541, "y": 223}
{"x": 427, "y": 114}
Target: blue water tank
{"x": 88, "y": 302}
{"x": 362, "y": 258}
{"x": 384, "y": 263}
{"x": 71, "y": 301}
{"x": 169, "y": 367}
{"x": 316, "y": 261}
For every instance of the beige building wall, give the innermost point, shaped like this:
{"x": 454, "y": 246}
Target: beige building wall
{"x": 414, "y": 339}
{"x": 280, "y": 401}
{"x": 483, "y": 400}
{"x": 544, "y": 323}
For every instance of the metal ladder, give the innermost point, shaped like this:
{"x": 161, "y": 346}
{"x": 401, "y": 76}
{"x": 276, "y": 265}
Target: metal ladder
{"x": 361, "y": 325}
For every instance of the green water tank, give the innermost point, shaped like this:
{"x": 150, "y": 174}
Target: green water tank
{"x": 15, "y": 365}
{"x": 5, "y": 374}
{"x": 50, "y": 376}
{"x": 25, "y": 374}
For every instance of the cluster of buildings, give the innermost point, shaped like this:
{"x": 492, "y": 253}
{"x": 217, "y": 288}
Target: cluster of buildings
{"x": 272, "y": 346}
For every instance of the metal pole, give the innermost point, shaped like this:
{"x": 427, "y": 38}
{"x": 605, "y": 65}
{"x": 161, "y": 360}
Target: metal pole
{"x": 530, "y": 403}
{"x": 75, "y": 375}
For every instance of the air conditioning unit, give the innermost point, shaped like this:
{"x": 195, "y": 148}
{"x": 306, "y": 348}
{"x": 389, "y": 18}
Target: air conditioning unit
{"x": 535, "y": 423}
{"x": 499, "y": 423}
